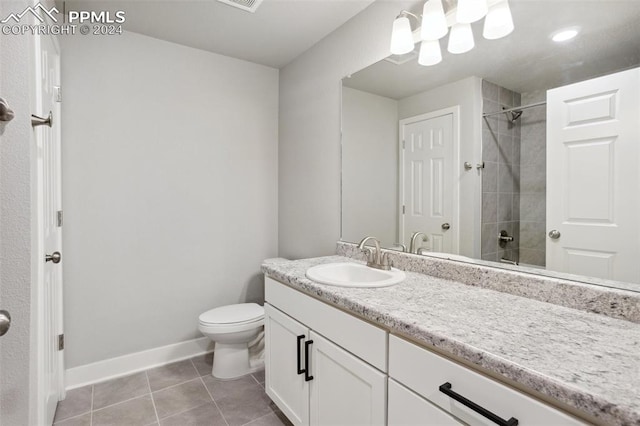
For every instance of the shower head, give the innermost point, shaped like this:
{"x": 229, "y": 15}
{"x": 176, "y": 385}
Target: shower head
{"x": 514, "y": 115}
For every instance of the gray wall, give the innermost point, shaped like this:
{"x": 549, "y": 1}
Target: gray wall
{"x": 170, "y": 190}
{"x": 501, "y": 174}
{"x": 16, "y": 358}
{"x": 533, "y": 181}
{"x": 309, "y": 147}
{"x": 370, "y": 175}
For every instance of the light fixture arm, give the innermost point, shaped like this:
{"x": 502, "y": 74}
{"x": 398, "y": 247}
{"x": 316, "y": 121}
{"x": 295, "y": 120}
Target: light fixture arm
{"x": 404, "y": 13}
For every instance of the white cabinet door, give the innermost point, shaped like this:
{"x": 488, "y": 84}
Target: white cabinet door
{"x": 592, "y": 177}
{"x": 284, "y": 359}
{"x": 409, "y": 409}
{"x": 344, "y": 390}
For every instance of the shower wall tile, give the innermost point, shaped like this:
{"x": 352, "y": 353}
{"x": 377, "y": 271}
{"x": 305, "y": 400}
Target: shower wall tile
{"x": 505, "y": 149}
{"x": 490, "y": 91}
{"x": 505, "y": 178}
{"x": 505, "y": 207}
{"x": 501, "y": 176}
{"x": 533, "y": 181}
{"x": 532, "y": 207}
{"x": 490, "y": 207}
{"x": 490, "y": 177}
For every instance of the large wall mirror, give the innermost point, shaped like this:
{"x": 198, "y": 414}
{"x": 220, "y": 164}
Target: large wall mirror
{"x": 522, "y": 152}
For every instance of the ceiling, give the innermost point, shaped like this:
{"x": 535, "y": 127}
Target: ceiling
{"x": 527, "y": 59}
{"x": 274, "y": 35}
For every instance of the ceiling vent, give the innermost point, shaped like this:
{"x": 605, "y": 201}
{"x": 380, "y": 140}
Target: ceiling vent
{"x": 401, "y": 59}
{"x": 246, "y": 5}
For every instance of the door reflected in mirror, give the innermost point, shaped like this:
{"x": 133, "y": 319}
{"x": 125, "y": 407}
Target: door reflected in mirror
{"x": 523, "y": 151}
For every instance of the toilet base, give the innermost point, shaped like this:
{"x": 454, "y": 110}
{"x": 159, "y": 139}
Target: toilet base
{"x": 231, "y": 361}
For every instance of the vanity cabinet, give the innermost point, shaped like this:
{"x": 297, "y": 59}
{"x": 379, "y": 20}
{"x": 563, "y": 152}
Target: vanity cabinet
{"x": 311, "y": 362}
{"x": 440, "y": 381}
{"x": 327, "y": 367}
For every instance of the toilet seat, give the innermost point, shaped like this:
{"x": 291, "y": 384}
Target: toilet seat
{"x": 232, "y": 318}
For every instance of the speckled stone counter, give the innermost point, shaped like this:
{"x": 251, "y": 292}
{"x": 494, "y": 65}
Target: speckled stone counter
{"x": 587, "y": 361}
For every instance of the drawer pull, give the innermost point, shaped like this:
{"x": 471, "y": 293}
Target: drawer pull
{"x": 307, "y": 345}
{"x": 446, "y": 389}
{"x": 298, "y": 355}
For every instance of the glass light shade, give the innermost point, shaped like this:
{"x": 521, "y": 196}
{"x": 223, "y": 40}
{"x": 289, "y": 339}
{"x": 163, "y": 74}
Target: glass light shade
{"x": 430, "y": 53}
{"x": 499, "y": 22}
{"x": 401, "y": 36}
{"x": 461, "y": 39}
{"x": 434, "y": 22}
{"x": 471, "y": 11}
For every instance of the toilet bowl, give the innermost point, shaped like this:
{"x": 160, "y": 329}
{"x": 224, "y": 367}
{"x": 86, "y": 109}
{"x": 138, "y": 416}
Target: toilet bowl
{"x": 232, "y": 328}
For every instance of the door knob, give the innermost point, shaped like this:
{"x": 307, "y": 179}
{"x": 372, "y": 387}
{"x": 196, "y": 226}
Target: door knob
{"x": 5, "y": 322}
{"x": 554, "y": 234}
{"x": 446, "y": 226}
{"x": 55, "y": 257}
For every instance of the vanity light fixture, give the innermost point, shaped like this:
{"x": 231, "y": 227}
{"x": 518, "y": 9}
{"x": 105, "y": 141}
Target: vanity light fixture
{"x": 564, "y": 35}
{"x": 402, "y": 37}
{"x": 470, "y": 11}
{"x": 434, "y": 21}
{"x": 434, "y": 25}
{"x": 498, "y": 22}
{"x": 461, "y": 39}
{"x": 430, "y": 53}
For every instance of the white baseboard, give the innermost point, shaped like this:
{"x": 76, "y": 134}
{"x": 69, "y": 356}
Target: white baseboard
{"x": 135, "y": 362}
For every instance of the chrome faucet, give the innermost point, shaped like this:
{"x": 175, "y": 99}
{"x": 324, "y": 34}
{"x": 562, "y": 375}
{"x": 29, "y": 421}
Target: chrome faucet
{"x": 375, "y": 259}
{"x": 412, "y": 248}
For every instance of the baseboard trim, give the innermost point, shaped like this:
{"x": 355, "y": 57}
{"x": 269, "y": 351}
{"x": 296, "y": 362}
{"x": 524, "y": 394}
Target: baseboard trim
{"x": 132, "y": 363}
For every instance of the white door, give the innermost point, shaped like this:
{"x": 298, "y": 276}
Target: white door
{"x": 407, "y": 408}
{"x": 284, "y": 359}
{"x": 429, "y": 186}
{"x": 593, "y": 150}
{"x": 345, "y": 390}
{"x": 50, "y": 368}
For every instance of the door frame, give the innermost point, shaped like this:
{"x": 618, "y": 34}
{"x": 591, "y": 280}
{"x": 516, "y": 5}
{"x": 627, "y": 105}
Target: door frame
{"x": 455, "y": 173}
{"x": 38, "y": 254}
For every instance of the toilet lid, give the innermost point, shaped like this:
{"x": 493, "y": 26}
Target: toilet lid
{"x": 233, "y": 314}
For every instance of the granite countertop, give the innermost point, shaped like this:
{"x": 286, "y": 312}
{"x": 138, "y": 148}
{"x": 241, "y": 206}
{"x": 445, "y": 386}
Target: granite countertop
{"x": 588, "y": 361}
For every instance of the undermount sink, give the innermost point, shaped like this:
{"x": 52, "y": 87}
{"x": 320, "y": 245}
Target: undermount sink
{"x": 354, "y": 275}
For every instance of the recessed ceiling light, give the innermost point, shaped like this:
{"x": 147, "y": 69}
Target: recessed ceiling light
{"x": 564, "y": 35}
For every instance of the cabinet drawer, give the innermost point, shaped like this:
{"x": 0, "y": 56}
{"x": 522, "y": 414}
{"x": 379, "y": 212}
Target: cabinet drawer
{"x": 362, "y": 339}
{"x": 424, "y": 372}
{"x": 406, "y": 408}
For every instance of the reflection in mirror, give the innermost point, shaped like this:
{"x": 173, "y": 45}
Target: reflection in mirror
{"x": 523, "y": 151}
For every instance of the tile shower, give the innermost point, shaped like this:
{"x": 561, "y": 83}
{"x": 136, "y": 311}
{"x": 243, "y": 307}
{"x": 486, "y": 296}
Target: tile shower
{"x": 514, "y": 177}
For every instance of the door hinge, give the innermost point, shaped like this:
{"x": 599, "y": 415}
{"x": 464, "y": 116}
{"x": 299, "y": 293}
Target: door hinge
{"x": 404, "y": 209}
{"x": 60, "y": 342}
{"x": 403, "y": 144}
{"x": 57, "y": 90}
{"x": 59, "y": 218}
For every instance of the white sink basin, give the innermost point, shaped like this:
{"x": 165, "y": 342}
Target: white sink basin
{"x": 354, "y": 275}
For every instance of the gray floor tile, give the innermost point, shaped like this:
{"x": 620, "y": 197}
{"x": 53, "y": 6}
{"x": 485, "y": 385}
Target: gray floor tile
{"x": 203, "y": 363}
{"x": 273, "y": 419}
{"x": 205, "y": 415}
{"x": 229, "y": 388}
{"x": 136, "y": 412}
{"x": 259, "y": 376}
{"x": 172, "y": 374}
{"x": 83, "y": 420}
{"x": 251, "y": 405}
{"x": 78, "y": 401}
{"x": 118, "y": 390}
{"x": 180, "y": 398}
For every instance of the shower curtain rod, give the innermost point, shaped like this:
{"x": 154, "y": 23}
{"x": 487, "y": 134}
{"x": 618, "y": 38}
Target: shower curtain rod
{"x": 519, "y": 108}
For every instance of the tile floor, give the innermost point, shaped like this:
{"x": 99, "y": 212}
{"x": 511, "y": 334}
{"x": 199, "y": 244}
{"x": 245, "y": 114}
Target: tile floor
{"x": 180, "y": 394}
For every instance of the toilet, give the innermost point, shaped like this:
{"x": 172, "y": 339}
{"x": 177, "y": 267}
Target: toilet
{"x": 236, "y": 331}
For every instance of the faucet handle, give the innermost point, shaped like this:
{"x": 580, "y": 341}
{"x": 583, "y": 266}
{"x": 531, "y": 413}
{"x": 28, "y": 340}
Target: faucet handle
{"x": 385, "y": 262}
